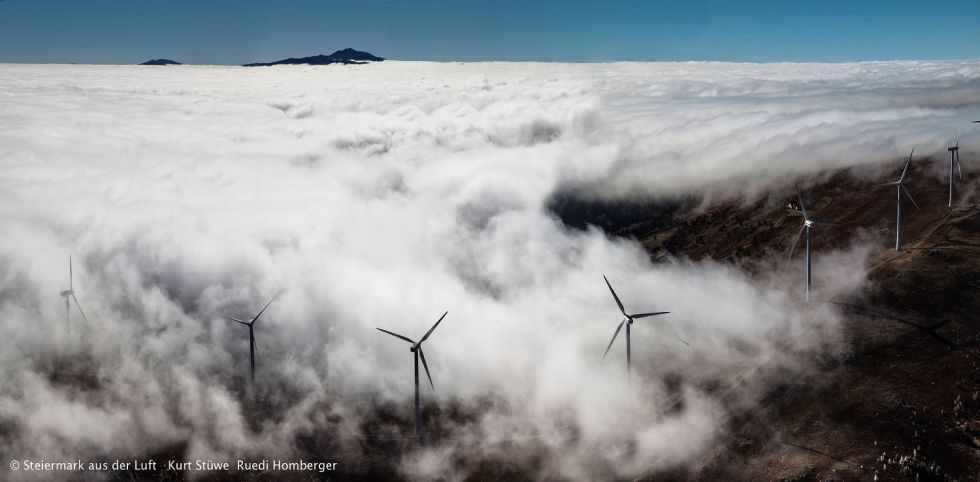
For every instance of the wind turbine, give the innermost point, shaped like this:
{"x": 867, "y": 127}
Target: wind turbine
{"x": 416, "y": 349}
{"x": 251, "y": 333}
{"x": 69, "y": 295}
{"x": 954, "y": 161}
{"x": 628, "y": 321}
{"x": 808, "y": 224}
{"x": 900, "y": 183}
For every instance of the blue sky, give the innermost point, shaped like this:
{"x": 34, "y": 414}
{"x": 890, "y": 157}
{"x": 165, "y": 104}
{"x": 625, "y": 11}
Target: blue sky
{"x": 241, "y": 31}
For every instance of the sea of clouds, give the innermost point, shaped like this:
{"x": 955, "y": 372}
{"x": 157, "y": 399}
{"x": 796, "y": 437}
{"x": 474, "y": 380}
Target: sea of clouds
{"x": 383, "y": 195}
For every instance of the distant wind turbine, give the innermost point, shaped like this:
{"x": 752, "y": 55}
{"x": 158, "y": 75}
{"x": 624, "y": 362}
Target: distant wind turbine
{"x": 251, "y": 333}
{"x": 628, "y": 321}
{"x": 900, "y": 184}
{"x": 69, "y": 295}
{"x": 954, "y": 164}
{"x": 416, "y": 349}
{"x": 808, "y": 224}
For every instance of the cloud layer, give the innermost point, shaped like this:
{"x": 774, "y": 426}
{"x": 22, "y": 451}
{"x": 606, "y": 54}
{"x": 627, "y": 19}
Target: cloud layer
{"x": 383, "y": 195}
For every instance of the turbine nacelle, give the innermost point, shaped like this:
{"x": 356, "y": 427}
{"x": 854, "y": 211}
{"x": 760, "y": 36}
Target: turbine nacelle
{"x": 807, "y": 223}
{"x": 67, "y": 293}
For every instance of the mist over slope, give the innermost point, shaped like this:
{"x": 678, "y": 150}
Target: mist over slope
{"x": 383, "y": 195}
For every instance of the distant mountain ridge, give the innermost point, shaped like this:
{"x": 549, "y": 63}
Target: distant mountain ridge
{"x": 160, "y": 62}
{"x": 345, "y": 56}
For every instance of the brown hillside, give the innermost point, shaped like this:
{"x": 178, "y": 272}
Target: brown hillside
{"x": 902, "y": 402}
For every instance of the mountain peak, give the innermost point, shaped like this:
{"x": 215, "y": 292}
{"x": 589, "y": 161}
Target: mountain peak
{"x": 160, "y": 62}
{"x": 345, "y": 56}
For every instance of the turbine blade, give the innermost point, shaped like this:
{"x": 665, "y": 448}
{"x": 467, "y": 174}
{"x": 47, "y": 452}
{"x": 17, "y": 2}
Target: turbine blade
{"x": 263, "y": 308}
{"x": 905, "y": 170}
{"x": 256, "y": 345}
{"x": 231, "y": 319}
{"x": 79, "y": 306}
{"x": 426, "y": 337}
{"x": 644, "y": 315}
{"x": 426, "y": 366}
{"x": 802, "y": 206}
{"x": 907, "y": 193}
{"x": 620, "y": 327}
{"x": 894, "y": 183}
{"x": 71, "y": 276}
{"x": 681, "y": 340}
{"x": 821, "y": 223}
{"x": 959, "y": 167}
{"x": 397, "y": 335}
{"x": 796, "y": 240}
{"x": 611, "y": 290}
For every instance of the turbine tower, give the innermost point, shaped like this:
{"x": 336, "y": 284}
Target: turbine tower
{"x": 416, "y": 350}
{"x": 900, "y": 186}
{"x": 251, "y": 333}
{"x": 808, "y": 224}
{"x": 954, "y": 164}
{"x": 628, "y": 321}
{"x": 69, "y": 296}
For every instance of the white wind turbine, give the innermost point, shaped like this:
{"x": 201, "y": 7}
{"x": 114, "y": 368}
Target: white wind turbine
{"x": 954, "y": 164}
{"x": 808, "y": 224}
{"x": 900, "y": 186}
{"x": 69, "y": 296}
